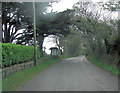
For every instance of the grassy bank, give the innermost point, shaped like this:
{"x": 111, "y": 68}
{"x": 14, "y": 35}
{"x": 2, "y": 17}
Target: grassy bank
{"x": 18, "y": 79}
{"x": 111, "y": 69}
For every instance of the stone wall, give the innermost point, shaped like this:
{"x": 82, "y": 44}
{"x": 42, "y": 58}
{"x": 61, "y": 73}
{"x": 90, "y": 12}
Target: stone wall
{"x": 15, "y": 68}
{"x": 7, "y": 71}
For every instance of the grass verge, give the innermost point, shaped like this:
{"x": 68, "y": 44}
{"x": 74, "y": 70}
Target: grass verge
{"x": 45, "y": 58}
{"x": 111, "y": 69}
{"x": 13, "y": 82}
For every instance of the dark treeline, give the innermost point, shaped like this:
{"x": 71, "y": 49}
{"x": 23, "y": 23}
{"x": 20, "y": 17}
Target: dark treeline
{"x": 86, "y": 29}
{"x": 17, "y": 23}
{"x": 94, "y": 32}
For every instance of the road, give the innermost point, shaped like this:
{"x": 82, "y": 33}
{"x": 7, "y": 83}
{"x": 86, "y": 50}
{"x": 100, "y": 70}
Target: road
{"x": 73, "y": 74}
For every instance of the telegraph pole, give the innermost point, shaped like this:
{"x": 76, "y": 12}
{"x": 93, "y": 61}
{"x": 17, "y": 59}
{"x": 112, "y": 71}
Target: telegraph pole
{"x": 0, "y": 46}
{"x": 35, "y": 56}
{"x": 0, "y": 35}
{"x": 0, "y": 21}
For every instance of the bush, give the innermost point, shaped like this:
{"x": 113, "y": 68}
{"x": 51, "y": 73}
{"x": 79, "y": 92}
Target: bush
{"x": 15, "y": 54}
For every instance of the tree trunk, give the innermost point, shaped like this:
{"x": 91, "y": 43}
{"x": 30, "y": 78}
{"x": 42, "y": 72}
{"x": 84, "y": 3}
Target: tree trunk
{"x": 107, "y": 46}
{"x": 118, "y": 30}
{"x": 40, "y": 42}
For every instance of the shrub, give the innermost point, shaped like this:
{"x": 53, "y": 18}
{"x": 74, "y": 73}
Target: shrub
{"x": 15, "y": 54}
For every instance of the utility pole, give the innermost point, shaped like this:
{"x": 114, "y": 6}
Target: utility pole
{"x": 0, "y": 21}
{"x": 0, "y": 35}
{"x": 0, "y": 46}
{"x": 35, "y": 56}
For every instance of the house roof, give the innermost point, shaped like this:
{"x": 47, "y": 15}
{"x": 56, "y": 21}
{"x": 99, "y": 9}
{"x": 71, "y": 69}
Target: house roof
{"x": 53, "y": 48}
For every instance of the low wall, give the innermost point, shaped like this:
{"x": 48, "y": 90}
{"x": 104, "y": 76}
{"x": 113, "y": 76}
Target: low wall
{"x": 19, "y": 67}
{"x": 15, "y": 68}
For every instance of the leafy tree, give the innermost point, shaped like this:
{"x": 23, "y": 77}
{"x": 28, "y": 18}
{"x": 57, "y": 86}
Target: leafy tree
{"x": 17, "y": 16}
{"x": 95, "y": 30}
{"x": 50, "y": 24}
{"x": 111, "y": 5}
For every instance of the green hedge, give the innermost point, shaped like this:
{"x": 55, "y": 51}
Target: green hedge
{"x": 15, "y": 54}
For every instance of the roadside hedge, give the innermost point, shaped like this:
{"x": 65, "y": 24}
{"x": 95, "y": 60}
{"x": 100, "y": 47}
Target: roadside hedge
{"x": 16, "y": 54}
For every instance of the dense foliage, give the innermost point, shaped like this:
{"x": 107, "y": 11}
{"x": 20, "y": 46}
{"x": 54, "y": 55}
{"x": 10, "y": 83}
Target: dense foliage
{"x": 15, "y": 54}
{"x": 85, "y": 29}
{"x": 17, "y": 22}
{"x": 93, "y": 34}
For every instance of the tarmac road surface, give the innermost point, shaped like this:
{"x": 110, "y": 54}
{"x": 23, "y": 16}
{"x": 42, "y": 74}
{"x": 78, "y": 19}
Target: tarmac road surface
{"x": 73, "y": 74}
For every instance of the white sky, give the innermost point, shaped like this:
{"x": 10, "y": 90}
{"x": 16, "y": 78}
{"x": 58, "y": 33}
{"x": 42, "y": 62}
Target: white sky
{"x": 63, "y": 4}
{"x": 48, "y": 43}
